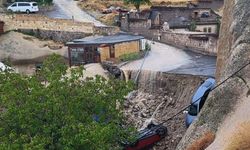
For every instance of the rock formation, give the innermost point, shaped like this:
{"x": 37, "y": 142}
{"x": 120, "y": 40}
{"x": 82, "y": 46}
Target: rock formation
{"x": 229, "y": 100}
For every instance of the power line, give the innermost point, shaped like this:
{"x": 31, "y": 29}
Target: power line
{"x": 218, "y": 85}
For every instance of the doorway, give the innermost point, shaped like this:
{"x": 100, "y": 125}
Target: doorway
{"x": 112, "y": 51}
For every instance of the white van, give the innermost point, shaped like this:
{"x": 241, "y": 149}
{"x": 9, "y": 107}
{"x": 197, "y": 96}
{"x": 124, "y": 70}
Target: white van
{"x": 27, "y": 7}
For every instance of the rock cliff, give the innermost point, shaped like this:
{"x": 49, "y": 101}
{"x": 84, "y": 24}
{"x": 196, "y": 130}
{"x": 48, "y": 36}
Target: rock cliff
{"x": 226, "y": 112}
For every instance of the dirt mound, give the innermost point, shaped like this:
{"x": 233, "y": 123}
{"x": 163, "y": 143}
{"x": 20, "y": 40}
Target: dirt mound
{"x": 21, "y": 48}
{"x": 159, "y": 97}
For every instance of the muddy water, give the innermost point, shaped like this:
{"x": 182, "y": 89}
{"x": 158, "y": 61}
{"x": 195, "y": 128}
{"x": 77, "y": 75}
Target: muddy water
{"x": 159, "y": 96}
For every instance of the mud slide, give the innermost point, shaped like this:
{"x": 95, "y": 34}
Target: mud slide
{"x": 161, "y": 95}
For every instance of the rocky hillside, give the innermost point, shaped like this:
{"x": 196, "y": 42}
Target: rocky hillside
{"x": 226, "y": 113}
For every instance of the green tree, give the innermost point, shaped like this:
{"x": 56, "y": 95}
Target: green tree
{"x": 137, "y": 3}
{"x": 64, "y": 112}
{"x": 192, "y": 26}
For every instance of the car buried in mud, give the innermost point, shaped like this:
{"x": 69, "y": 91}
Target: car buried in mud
{"x": 147, "y": 137}
{"x": 198, "y": 100}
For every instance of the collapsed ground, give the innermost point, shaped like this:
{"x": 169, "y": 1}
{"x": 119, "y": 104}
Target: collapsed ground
{"x": 170, "y": 93}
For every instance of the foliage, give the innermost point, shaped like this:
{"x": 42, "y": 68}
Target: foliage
{"x": 147, "y": 47}
{"x": 137, "y": 3}
{"x": 219, "y": 25}
{"x": 130, "y": 56}
{"x": 58, "y": 113}
{"x": 192, "y": 26}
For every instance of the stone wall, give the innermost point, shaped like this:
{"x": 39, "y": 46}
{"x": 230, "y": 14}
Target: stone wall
{"x": 195, "y": 42}
{"x": 58, "y": 36}
{"x": 62, "y": 30}
{"x": 105, "y": 30}
{"x": 23, "y": 21}
{"x": 205, "y": 44}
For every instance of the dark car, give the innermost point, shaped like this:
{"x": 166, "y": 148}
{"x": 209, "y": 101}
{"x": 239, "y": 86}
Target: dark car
{"x": 147, "y": 137}
{"x": 198, "y": 100}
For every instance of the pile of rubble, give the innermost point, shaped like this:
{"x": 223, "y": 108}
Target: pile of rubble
{"x": 169, "y": 97}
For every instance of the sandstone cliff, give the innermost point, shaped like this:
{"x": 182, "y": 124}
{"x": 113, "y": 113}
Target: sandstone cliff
{"x": 226, "y": 112}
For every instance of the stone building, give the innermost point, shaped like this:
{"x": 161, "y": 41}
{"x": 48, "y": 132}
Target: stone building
{"x": 102, "y": 48}
{"x": 204, "y": 19}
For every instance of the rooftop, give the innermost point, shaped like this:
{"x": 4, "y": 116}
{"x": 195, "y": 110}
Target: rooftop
{"x": 98, "y": 40}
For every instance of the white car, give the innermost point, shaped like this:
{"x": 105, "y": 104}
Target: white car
{"x": 27, "y": 7}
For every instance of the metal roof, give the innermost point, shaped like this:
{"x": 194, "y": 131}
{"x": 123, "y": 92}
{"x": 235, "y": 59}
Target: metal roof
{"x": 98, "y": 40}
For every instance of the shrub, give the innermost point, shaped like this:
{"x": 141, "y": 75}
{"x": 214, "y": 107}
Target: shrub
{"x": 130, "y": 57}
{"x": 67, "y": 113}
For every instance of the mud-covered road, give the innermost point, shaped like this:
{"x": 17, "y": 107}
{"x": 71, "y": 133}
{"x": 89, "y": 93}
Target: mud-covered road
{"x": 165, "y": 58}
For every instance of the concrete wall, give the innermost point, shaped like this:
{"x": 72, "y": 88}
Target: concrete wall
{"x": 58, "y": 36}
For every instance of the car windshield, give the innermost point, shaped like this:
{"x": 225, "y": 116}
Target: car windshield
{"x": 13, "y": 5}
{"x": 193, "y": 110}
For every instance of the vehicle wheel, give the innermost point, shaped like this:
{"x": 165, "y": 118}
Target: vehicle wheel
{"x": 161, "y": 131}
{"x": 27, "y": 11}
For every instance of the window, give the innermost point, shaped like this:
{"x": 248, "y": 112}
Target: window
{"x": 14, "y": 5}
{"x": 77, "y": 56}
{"x": 34, "y": 4}
{"x": 207, "y": 84}
{"x": 209, "y": 29}
{"x": 112, "y": 51}
{"x": 23, "y": 4}
{"x": 193, "y": 110}
{"x": 196, "y": 14}
{"x": 204, "y": 29}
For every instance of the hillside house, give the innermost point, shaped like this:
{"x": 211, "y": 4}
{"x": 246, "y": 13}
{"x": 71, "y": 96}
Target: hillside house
{"x": 181, "y": 18}
{"x": 101, "y": 48}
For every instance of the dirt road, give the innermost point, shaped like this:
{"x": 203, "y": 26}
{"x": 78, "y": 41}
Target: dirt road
{"x": 68, "y": 9}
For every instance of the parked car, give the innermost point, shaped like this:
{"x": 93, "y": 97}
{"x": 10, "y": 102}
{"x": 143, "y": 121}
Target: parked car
{"x": 147, "y": 137}
{"x": 4, "y": 67}
{"x": 27, "y": 7}
{"x": 198, "y": 100}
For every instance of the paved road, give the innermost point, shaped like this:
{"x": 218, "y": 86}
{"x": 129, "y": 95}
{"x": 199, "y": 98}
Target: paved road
{"x": 199, "y": 65}
{"x": 162, "y": 57}
{"x": 68, "y": 9}
{"x": 166, "y": 58}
